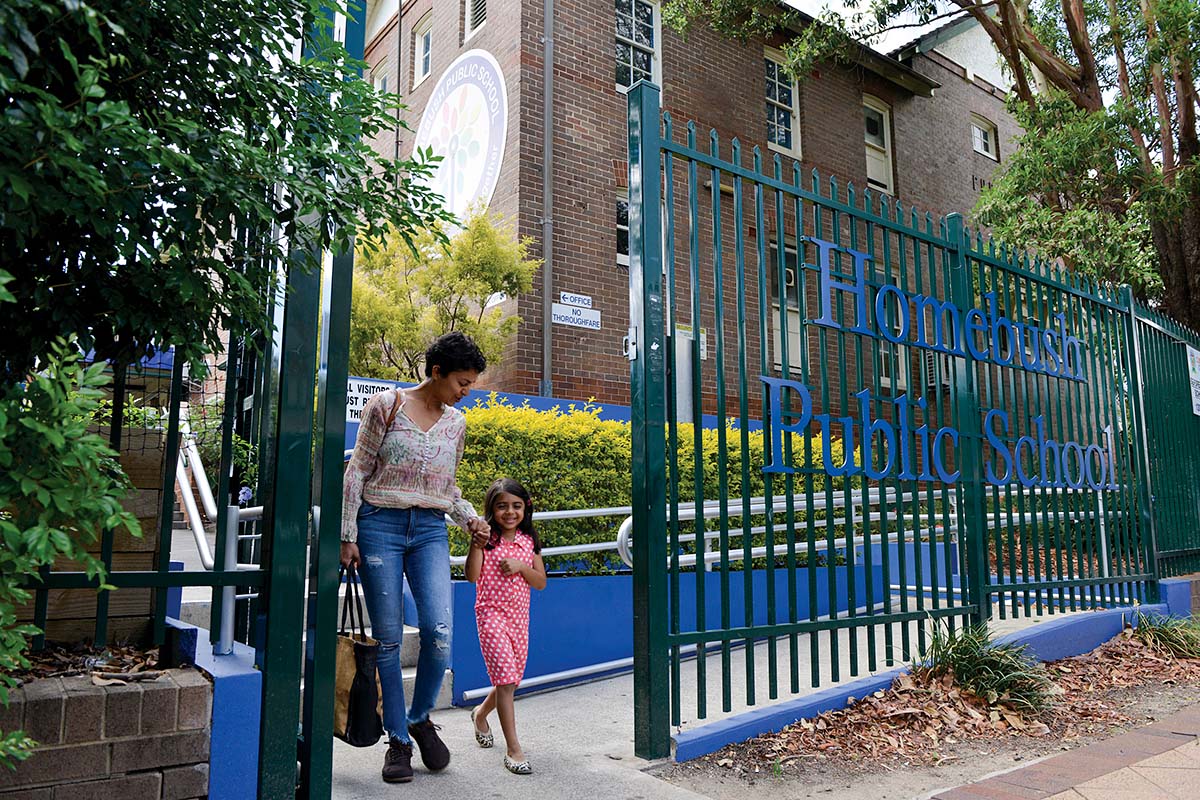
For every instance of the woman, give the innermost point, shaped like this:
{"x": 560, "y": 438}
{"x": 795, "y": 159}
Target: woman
{"x": 400, "y": 485}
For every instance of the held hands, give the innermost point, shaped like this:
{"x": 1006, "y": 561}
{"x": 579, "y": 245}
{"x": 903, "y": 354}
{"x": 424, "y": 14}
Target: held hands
{"x": 480, "y": 532}
{"x": 512, "y": 566}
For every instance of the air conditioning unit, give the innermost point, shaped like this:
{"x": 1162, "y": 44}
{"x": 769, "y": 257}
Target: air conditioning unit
{"x": 938, "y": 370}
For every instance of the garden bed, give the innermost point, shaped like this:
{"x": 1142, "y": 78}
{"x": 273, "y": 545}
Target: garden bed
{"x": 921, "y": 735}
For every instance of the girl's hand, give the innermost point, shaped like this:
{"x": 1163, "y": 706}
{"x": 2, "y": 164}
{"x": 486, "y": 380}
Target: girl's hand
{"x": 512, "y": 566}
{"x": 350, "y": 555}
{"x": 480, "y": 532}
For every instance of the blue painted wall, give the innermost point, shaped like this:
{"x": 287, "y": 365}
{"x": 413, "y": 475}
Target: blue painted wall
{"x": 578, "y": 622}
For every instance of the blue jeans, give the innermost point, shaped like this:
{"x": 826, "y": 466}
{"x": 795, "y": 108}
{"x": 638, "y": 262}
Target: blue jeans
{"x": 395, "y": 542}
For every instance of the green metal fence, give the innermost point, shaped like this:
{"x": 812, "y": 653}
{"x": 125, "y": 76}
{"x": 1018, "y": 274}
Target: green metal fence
{"x": 1173, "y": 430}
{"x": 284, "y": 391}
{"x": 911, "y": 426}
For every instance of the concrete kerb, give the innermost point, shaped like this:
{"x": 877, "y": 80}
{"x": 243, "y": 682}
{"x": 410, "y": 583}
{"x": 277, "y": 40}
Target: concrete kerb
{"x": 1048, "y": 641}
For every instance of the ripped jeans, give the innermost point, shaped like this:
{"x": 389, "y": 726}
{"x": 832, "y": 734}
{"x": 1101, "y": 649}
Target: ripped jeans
{"x": 394, "y": 542}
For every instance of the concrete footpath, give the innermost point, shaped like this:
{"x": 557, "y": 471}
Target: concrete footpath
{"x": 1157, "y": 762}
{"x": 579, "y": 741}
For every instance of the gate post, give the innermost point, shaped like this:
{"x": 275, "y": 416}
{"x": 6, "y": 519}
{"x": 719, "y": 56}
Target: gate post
{"x": 1145, "y": 490}
{"x": 647, "y": 355}
{"x": 972, "y": 524}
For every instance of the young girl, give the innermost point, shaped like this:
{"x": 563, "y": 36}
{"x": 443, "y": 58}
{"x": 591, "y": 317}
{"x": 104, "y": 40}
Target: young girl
{"x": 502, "y": 571}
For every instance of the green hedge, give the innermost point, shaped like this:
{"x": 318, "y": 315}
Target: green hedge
{"x": 569, "y": 458}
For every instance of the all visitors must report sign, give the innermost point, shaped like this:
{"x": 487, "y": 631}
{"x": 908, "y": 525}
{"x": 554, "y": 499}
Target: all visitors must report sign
{"x": 901, "y": 448}
{"x": 358, "y": 392}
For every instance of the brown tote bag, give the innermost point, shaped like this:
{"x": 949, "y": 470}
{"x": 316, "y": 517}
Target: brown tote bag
{"x": 357, "y": 697}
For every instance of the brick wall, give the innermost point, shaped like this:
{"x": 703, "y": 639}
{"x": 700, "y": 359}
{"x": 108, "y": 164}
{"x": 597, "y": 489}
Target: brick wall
{"x": 941, "y": 170}
{"x": 142, "y": 741}
{"x": 719, "y": 83}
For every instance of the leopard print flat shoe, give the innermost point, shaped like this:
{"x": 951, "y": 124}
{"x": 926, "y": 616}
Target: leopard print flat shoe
{"x": 484, "y": 740}
{"x": 517, "y": 767}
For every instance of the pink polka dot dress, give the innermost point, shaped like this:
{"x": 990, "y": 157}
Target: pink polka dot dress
{"x": 502, "y": 611}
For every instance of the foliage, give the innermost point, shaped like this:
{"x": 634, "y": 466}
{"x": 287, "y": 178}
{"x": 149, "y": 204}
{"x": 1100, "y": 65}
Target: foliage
{"x": 60, "y": 486}
{"x": 404, "y": 297}
{"x": 1038, "y": 197}
{"x": 159, "y": 159}
{"x": 571, "y": 459}
{"x": 205, "y": 422}
{"x": 1171, "y": 636}
{"x": 1107, "y": 176}
{"x": 1002, "y": 674}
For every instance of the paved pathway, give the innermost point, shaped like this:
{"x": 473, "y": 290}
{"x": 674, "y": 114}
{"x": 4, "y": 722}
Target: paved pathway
{"x": 1157, "y": 762}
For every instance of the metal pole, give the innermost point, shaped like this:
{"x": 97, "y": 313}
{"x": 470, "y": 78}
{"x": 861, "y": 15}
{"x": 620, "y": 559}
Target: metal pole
{"x": 647, "y": 353}
{"x": 972, "y": 525}
{"x": 1139, "y": 406}
{"x": 224, "y": 645}
{"x": 547, "y": 384}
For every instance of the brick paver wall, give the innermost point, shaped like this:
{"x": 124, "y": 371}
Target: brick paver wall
{"x": 142, "y": 741}
{"x": 717, "y": 82}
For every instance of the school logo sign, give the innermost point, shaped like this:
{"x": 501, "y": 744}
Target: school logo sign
{"x": 466, "y": 122}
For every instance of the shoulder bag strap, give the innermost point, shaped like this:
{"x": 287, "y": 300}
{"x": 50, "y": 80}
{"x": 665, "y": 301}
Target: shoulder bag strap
{"x": 395, "y": 407}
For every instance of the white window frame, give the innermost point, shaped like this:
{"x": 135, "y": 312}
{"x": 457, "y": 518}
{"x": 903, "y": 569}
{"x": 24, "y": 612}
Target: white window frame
{"x": 795, "y": 318}
{"x": 877, "y": 105}
{"x": 423, "y": 29}
{"x": 655, "y": 52}
{"x": 468, "y": 13}
{"x": 981, "y": 127}
{"x": 379, "y": 76}
{"x": 773, "y": 55}
{"x": 623, "y": 197}
{"x": 893, "y": 350}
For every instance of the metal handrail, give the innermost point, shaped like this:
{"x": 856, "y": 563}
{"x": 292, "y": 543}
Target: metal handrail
{"x": 874, "y": 497}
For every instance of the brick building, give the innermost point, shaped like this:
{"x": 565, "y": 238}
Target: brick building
{"x": 924, "y": 123}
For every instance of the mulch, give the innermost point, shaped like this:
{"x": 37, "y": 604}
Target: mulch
{"x": 107, "y": 666}
{"x": 919, "y": 716}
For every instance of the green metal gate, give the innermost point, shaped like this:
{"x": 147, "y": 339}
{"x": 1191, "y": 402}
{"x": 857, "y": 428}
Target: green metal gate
{"x": 1173, "y": 430}
{"x": 853, "y": 421}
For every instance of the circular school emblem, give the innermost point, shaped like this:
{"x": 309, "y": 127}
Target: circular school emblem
{"x": 465, "y": 122}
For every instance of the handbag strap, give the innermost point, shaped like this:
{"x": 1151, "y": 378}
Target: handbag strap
{"x": 352, "y": 601}
{"x": 391, "y": 417}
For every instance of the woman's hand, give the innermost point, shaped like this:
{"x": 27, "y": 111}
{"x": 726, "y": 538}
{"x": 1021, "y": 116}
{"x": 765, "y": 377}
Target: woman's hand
{"x": 512, "y": 566}
{"x": 480, "y": 531}
{"x": 350, "y": 555}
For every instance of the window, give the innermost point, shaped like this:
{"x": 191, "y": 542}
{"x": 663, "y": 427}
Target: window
{"x": 878, "y": 136}
{"x": 782, "y": 118}
{"x": 790, "y": 293}
{"x": 379, "y": 77}
{"x": 637, "y": 42}
{"x": 893, "y": 356}
{"x": 423, "y": 49}
{"x": 475, "y": 12}
{"x": 893, "y": 366}
{"x": 623, "y": 230}
{"x": 983, "y": 137}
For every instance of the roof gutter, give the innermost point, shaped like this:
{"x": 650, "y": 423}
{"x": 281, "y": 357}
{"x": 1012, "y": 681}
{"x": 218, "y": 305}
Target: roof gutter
{"x": 884, "y": 66}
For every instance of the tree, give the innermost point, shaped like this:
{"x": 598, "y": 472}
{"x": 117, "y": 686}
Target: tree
{"x": 1107, "y": 94}
{"x": 404, "y": 297}
{"x": 159, "y": 159}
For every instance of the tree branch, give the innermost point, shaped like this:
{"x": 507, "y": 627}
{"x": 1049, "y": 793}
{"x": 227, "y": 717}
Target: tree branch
{"x": 1114, "y": 24}
{"x": 998, "y": 33}
{"x": 1158, "y": 86}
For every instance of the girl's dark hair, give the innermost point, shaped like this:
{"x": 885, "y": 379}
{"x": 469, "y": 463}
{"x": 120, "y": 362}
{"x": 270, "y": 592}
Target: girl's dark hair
{"x": 454, "y": 352}
{"x": 509, "y": 486}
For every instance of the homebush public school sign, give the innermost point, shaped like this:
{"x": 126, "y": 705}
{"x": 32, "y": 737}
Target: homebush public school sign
{"x": 898, "y": 449}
